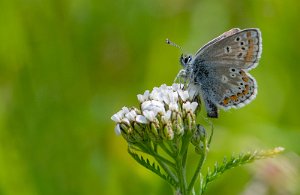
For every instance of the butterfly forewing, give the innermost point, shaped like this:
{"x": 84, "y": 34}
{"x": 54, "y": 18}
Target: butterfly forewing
{"x": 242, "y": 49}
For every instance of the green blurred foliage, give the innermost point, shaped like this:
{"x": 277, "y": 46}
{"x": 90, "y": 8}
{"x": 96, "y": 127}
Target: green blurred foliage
{"x": 67, "y": 66}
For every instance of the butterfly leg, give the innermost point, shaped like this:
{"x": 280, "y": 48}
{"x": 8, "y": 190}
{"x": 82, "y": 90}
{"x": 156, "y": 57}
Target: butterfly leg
{"x": 182, "y": 78}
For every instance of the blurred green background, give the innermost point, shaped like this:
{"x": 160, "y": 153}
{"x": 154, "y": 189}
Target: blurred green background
{"x": 67, "y": 66}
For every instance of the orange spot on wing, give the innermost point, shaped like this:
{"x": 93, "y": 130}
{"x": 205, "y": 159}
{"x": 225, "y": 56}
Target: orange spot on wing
{"x": 242, "y": 73}
{"x": 246, "y": 90}
{"x": 234, "y": 98}
{"x": 245, "y": 79}
{"x": 226, "y": 101}
{"x": 251, "y": 47}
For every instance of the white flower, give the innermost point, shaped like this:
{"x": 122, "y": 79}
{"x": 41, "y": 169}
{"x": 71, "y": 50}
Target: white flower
{"x": 194, "y": 106}
{"x": 126, "y": 121}
{"x": 155, "y": 94}
{"x": 177, "y": 86}
{"x": 143, "y": 97}
{"x": 166, "y": 99}
{"x": 163, "y": 87}
{"x": 173, "y": 96}
{"x": 184, "y": 95}
{"x": 153, "y": 105}
{"x": 150, "y": 115}
{"x": 173, "y": 106}
{"x": 188, "y": 106}
{"x": 193, "y": 91}
{"x": 157, "y": 104}
{"x": 167, "y": 116}
{"x": 146, "y": 105}
{"x": 141, "y": 119}
{"x": 131, "y": 115}
{"x": 117, "y": 129}
{"x": 160, "y": 110}
{"x": 125, "y": 110}
{"x": 116, "y": 117}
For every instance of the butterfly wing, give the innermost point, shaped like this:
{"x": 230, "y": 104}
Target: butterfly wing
{"x": 233, "y": 88}
{"x": 222, "y": 36}
{"x": 220, "y": 69}
{"x": 241, "y": 49}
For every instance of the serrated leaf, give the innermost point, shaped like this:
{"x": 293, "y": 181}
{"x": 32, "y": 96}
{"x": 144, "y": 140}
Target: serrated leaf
{"x": 152, "y": 167}
{"x": 235, "y": 161}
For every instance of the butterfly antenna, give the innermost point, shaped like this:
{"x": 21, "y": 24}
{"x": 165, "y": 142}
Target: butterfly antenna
{"x": 173, "y": 44}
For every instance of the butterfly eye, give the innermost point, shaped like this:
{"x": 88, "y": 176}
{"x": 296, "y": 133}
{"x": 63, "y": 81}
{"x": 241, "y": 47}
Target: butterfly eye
{"x": 184, "y": 60}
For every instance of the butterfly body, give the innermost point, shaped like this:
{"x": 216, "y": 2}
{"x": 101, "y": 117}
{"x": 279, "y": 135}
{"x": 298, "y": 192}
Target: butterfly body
{"x": 219, "y": 70}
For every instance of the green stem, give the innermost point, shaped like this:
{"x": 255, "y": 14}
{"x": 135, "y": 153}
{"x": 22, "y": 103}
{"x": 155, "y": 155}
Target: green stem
{"x": 181, "y": 173}
{"x": 181, "y": 164}
{"x": 211, "y": 135}
{"x": 199, "y": 166}
{"x": 185, "y": 144}
{"x": 184, "y": 159}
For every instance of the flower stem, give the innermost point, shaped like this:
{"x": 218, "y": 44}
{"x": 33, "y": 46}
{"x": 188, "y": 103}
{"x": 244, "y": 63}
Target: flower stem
{"x": 181, "y": 172}
{"x": 199, "y": 166}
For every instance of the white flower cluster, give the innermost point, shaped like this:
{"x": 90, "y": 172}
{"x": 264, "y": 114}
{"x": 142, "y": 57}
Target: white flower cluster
{"x": 157, "y": 106}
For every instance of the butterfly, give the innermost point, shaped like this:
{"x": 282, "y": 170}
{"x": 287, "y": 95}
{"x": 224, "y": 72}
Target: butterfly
{"x": 219, "y": 70}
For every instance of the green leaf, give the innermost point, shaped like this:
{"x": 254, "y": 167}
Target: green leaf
{"x": 152, "y": 167}
{"x": 235, "y": 161}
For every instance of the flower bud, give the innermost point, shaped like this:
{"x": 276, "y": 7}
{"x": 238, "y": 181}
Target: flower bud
{"x": 198, "y": 136}
{"x": 168, "y": 132}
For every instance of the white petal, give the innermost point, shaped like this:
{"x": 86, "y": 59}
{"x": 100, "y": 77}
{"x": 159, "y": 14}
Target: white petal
{"x": 150, "y": 115}
{"x": 146, "y": 105}
{"x": 173, "y": 106}
{"x": 186, "y": 106}
{"x": 168, "y": 114}
{"x": 141, "y": 119}
{"x": 154, "y": 95}
{"x": 166, "y": 99}
{"x": 116, "y": 117}
{"x": 140, "y": 98}
{"x": 173, "y": 96}
{"x": 157, "y": 103}
{"x": 175, "y": 86}
{"x": 163, "y": 87}
{"x": 118, "y": 129}
{"x": 143, "y": 97}
{"x": 166, "y": 117}
{"x": 184, "y": 95}
{"x": 125, "y": 110}
{"x": 194, "y": 106}
{"x": 131, "y": 115}
{"x": 146, "y": 94}
{"x": 193, "y": 91}
{"x": 157, "y": 110}
{"x": 126, "y": 121}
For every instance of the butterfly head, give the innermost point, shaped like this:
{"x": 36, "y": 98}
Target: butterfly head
{"x": 185, "y": 59}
